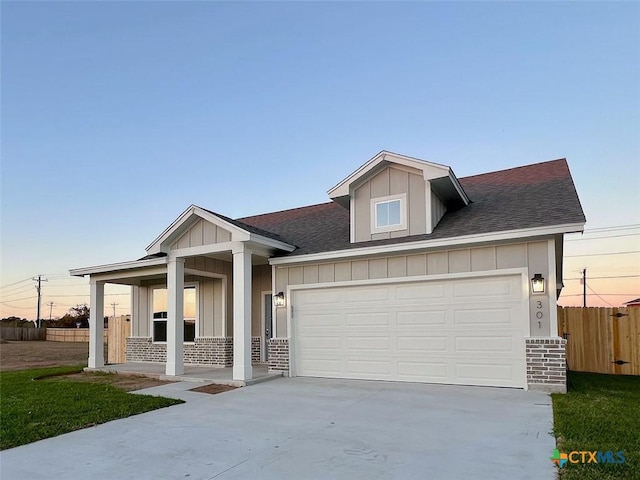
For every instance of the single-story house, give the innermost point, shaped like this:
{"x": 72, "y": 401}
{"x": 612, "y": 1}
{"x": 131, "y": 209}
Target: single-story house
{"x": 408, "y": 273}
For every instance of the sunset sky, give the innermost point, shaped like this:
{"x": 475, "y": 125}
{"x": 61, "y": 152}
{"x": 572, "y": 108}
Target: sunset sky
{"x": 116, "y": 116}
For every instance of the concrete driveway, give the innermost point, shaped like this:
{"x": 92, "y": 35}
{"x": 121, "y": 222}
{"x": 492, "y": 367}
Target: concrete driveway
{"x": 303, "y": 428}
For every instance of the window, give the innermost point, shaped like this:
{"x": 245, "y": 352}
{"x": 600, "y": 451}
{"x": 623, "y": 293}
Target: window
{"x": 159, "y": 317}
{"x": 388, "y": 214}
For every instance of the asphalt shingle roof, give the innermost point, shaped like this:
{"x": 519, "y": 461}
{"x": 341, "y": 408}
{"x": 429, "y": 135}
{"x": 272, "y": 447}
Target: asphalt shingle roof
{"x": 539, "y": 195}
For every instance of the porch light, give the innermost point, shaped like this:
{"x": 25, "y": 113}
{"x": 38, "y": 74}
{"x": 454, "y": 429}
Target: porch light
{"x": 537, "y": 283}
{"x": 278, "y": 299}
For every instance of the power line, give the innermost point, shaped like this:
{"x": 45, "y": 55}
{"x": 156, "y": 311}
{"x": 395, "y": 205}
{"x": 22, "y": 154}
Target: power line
{"x": 601, "y": 238}
{"x": 598, "y": 296}
{"x": 15, "y": 283}
{"x": 600, "y": 278}
{"x": 19, "y": 299}
{"x": 600, "y": 254}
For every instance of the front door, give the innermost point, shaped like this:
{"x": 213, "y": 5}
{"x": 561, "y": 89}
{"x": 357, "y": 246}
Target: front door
{"x": 267, "y": 308}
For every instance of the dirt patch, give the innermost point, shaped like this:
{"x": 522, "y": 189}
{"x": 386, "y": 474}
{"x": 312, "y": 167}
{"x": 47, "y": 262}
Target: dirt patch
{"x": 213, "y": 388}
{"x": 128, "y": 383}
{"x": 20, "y": 355}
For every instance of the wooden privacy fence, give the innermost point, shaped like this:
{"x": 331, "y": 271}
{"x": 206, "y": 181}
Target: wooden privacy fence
{"x": 21, "y": 333}
{"x": 119, "y": 330}
{"x": 601, "y": 340}
{"x": 70, "y": 334}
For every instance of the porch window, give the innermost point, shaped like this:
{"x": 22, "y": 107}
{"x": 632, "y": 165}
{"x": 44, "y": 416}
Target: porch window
{"x": 190, "y": 314}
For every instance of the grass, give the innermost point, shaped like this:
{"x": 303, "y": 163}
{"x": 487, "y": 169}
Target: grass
{"x": 599, "y": 413}
{"x": 38, "y": 403}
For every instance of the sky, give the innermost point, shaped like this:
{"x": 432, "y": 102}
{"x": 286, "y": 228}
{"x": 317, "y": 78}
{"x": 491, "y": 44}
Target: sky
{"x": 116, "y": 116}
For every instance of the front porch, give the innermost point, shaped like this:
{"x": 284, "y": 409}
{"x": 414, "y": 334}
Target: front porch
{"x": 201, "y": 296}
{"x": 192, "y": 373}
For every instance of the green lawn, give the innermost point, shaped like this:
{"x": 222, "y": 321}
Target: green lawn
{"x": 599, "y": 413}
{"x": 32, "y": 409}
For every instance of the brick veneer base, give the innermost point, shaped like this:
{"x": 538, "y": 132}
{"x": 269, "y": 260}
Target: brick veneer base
{"x": 216, "y": 351}
{"x": 279, "y": 355}
{"x": 546, "y": 364}
{"x": 256, "y": 349}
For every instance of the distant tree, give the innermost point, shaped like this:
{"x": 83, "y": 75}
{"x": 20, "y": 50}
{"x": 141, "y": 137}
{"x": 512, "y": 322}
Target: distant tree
{"x": 14, "y": 321}
{"x": 78, "y": 314}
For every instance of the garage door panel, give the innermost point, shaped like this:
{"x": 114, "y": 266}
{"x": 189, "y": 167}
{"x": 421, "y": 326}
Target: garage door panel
{"x": 368, "y": 343}
{"x": 367, "y": 319}
{"x": 428, "y": 317}
{"x": 487, "y": 290}
{"x": 368, "y": 295}
{"x": 423, "y": 371}
{"x": 319, "y": 367}
{"x": 318, "y": 320}
{"x": 321, "y": 342}
{"x": 419, "y": 293}
{"x": 485, "y": 373}
{"x": 422, "y": 344}
{"x": 477, "y": 343}
{"x": 441, "y": 331}
{"x": 380, "y": 367}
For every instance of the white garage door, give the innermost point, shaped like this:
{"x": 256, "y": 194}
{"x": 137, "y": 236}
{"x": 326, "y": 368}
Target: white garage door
{"x": 465, "y": 331}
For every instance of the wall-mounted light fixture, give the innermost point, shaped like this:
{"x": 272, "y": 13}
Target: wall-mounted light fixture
{"x": 278, "y": 299}
{"x": 537, "y": 283}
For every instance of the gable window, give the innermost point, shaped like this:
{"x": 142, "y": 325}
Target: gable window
{"x": 159, "y": 313}
{"x": 388, "y": 214}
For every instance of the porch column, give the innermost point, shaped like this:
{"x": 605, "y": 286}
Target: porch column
{"x": 96, "y": 325}
{"x": 175, "y": 320}
{"x": 242, "y": 369}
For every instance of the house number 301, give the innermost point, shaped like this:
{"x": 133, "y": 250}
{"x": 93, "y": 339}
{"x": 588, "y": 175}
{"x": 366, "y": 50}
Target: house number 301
{"x": 539, "y": 307}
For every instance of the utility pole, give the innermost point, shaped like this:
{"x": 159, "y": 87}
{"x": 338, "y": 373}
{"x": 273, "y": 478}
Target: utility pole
{"x": 584, "y": 287}
{"x": 114, "y": 309}
{"x": 39, "y": 279}
{"x": 51, "y": 305}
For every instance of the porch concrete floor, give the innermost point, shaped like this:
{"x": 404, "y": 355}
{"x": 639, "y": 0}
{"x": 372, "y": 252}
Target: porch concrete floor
{"x": 192, "y": 373}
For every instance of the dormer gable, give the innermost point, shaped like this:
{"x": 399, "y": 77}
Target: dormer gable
{"x": 393, "y": 196}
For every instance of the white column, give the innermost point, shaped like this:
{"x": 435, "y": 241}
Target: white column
{"x": 175, "y": 319}
{"x": 242, "y": 369}
{"x": 96, "y": 325}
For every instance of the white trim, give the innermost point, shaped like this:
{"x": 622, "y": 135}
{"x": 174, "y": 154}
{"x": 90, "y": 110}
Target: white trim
{"x": 522, "y": 235}
{"x": 185, "y": 219}
{"x": 115, "y": 267}
{"x": 274, "y": 325}
{"x": 263, "y": 323}
{"x": 201, "y": 250}
{"x": 551, "y": 284}
{"x": 524, "y": 300}
{"x": 374, "y": 202}
{"x": 342, "y": 188}
{"x": 223, "y": 302}
{"x": 352, "y": 219}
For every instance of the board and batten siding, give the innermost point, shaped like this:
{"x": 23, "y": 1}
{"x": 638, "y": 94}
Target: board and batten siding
{"x": 202, "y": 233}
{"x": 531, "y": 255}
{"x": 210, "y": 293}
{"x": 391, "y": 181}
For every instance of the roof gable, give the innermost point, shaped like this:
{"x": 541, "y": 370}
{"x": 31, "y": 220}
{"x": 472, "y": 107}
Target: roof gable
{"x": 197, "y": 226}
{"x": 444, "y": 181}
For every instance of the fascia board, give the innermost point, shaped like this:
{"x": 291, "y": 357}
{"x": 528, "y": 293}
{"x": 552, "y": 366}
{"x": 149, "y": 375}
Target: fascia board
{"x": 116, "y": 267}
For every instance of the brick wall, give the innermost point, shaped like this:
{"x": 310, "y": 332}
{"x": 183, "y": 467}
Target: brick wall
{"x": 546, "y": 364}
{"x": 256, "y": 349}
{"x": 204, "y": 351}
{"x": 279, "y": 355}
